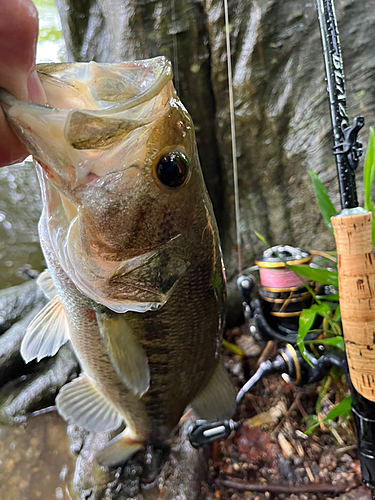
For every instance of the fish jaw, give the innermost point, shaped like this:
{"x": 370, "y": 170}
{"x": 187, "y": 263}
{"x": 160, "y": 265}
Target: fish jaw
{"x": 84, "y": 119}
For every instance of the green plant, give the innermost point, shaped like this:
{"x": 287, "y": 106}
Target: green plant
{"x": 327, "y": 306}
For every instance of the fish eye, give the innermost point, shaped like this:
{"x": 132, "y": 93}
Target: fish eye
{"x": 172, "y": 170}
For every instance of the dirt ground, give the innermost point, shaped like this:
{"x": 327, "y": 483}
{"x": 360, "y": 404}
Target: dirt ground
{"x": 270, "y": 449}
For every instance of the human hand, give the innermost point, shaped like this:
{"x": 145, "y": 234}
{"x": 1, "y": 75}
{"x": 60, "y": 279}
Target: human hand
{"x": 18, "y": 40}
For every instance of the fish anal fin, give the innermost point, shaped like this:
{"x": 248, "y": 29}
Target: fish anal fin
{"x": 85, "y": 406}
{"x": 125, "y": 352}
{"x": 48, "y": 331}
{"x": 217, "y": 400}
{"x": 118, "y": 451}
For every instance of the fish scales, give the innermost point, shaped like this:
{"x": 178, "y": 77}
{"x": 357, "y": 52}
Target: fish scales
{"x": 136, "y": 281}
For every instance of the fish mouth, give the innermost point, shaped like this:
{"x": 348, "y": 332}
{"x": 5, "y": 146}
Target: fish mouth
{"x": 96, "y": 105}
{"x": 159, "y": 71}
{"x": 92, "y": 110}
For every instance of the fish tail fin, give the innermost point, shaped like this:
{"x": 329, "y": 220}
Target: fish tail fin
{"x": 118, "y": 451}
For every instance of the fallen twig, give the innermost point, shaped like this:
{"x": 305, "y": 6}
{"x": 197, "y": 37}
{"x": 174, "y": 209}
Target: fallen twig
{"x": 287, "y": 414}
{"x": 345, "y": 449}
{"x": 267, "y": 352}
{"x": 288, "y": 488}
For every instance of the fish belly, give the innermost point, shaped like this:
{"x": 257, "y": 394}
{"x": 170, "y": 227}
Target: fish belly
{"x": 89, "y": 348}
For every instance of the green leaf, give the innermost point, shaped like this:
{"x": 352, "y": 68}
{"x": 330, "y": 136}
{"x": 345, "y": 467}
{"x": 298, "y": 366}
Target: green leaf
{"x": 335, "y": 341}
{"x": 342, "y": 408}
{"x": 306, "y": 320}
{"x": 262, "y": 239}
{"x": 337, "y": 315}
{"x": 322, "y": 276}
{"x": 369, "y": 169}
{"x": 311, "y": 429}
{"x": 368, "y": 178}
{"x": 232, "y": 347}
{"x": 334, "y": 297}
{"x": 325, "y": 204}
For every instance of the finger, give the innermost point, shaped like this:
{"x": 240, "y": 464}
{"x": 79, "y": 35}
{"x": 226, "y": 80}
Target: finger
{"x": 18, "y": 40}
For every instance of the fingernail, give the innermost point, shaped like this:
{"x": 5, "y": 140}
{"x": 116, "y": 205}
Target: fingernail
{"x": 35, "y": 89}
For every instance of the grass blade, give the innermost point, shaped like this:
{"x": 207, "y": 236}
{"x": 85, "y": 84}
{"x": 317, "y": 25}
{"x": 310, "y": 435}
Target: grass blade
{"x": 335, "y": 341}
{"x": 369, "y": 169}
{"x": 325, "y": 204}
{"x": 368, "y": 178}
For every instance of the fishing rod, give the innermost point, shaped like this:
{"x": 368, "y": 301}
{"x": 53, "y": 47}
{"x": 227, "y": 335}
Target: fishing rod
{"x": 355, "y": 260}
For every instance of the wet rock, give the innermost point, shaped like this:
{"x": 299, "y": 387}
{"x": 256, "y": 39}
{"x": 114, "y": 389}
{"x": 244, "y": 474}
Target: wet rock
{"x": 16, "y": 301}
{"x": 11, "y": 362}
{"x": 37, "y": 390}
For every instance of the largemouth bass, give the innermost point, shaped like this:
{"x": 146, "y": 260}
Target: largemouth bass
{"x": 135, "y": 276}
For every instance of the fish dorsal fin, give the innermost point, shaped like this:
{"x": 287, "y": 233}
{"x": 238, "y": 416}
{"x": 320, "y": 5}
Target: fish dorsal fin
{"x": 125, "y": 352}
{"x": 46, "y": 284}
{"x": 217, "y": 399}
{"x": 48, "y": 331}
{"x": 85, "y": 406}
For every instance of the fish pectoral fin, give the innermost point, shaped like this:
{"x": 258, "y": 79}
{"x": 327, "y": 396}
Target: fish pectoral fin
{"x": 217, "y": 399}
{"x": 47, "y": 332}
{"x": 46, "y": 284}
{"x": 85, "y": 406}
{"x": 125, "y": 352}
{"x": 118, "y": 451}
{"x": 151, "y": 277}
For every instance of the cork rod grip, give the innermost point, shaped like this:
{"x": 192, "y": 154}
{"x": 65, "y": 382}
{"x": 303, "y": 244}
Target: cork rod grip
{"x": 356, "y": 268}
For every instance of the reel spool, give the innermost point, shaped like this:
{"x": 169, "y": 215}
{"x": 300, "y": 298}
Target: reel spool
{"x": 283, "y": 294}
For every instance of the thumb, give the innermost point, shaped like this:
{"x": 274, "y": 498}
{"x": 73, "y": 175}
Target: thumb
{"x": 18, "y": 40}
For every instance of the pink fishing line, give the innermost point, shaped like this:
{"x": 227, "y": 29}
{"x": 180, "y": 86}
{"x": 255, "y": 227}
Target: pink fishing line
{"x": 279, "y": 278}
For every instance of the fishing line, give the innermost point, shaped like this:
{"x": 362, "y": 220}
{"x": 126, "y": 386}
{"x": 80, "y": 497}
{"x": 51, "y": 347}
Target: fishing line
{"x": 233, "y": 135}
{"x": 175, "y": 54}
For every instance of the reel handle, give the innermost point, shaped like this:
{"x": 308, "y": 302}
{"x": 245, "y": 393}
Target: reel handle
{"x": 356, "y": 268}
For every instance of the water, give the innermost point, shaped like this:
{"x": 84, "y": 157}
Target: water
{"x": 35, "y": 462}
{"x": 51, "y": 45}
{"x": 20, "y": 207}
